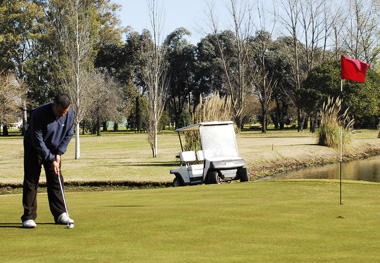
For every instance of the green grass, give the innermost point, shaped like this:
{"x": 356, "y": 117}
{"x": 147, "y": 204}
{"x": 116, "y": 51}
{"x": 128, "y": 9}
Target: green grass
{"x": 126, "y": 156}
{"x": 292, "y": 221}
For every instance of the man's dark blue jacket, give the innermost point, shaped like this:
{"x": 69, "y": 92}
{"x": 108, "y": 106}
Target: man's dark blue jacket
{"x": 48, "y": 134}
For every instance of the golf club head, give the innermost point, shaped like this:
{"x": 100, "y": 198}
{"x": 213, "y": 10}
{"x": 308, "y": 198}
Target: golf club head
{"x": 70, "y": 226}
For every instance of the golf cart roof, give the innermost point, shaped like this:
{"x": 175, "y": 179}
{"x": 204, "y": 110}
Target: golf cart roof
{"x": 196, "y": 126}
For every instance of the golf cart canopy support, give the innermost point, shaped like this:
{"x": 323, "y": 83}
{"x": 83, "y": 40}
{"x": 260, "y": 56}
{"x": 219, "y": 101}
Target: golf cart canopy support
{"x": 195, "y": 127}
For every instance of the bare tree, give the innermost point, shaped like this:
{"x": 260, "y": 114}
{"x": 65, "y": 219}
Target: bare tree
{"x": 106, "y": 99}
{"x": 333, "y": 24}
{"x": 74, "y": 35}
{"x": 361, "y": 34}
{"x": 9, "y": 99}
{"x": 291, "y": 23}
{"x": 236, "y": 67}
{"x": 264, "y": 81}
{"x": 155, "y": 76}
{"x": 312, "y": 23}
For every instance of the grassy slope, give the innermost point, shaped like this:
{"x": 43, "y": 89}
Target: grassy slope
{"x": 241, "y": 222}
{"x": 127, "y": 157}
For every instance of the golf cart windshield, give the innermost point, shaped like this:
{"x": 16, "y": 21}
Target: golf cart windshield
{"x": 218, "y": 141}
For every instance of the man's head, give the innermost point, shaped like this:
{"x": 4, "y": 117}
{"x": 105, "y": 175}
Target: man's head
{"x": 61, "y": 105}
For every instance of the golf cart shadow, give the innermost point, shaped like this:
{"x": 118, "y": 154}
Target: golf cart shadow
{"x": 218, "y": 160}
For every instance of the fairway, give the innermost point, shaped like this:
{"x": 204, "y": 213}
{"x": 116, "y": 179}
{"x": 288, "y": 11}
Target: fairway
{"x": 286, "y": 221}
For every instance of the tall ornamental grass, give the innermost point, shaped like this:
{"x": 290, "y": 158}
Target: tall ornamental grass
{"x": 213, "y": 108}
{"x": 329, "y": 131}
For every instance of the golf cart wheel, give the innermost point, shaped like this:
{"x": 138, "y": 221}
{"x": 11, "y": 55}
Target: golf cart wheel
{"x": 177, "y": 182}
{"x": 213, "y": 178}
{"x": 243, "y": 174}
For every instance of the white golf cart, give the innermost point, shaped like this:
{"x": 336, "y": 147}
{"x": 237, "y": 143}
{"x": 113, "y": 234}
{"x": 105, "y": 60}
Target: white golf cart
{"x": 217, "y": 161}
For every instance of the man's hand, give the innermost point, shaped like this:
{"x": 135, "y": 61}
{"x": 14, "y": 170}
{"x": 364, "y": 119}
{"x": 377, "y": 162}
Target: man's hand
{"x": 56, "y": 164}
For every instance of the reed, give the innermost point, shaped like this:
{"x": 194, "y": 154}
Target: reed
{"x": 332, "y": 120}
{"x": 212, "y": 108}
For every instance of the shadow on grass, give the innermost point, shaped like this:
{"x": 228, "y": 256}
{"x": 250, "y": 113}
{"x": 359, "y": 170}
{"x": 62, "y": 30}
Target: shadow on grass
{"x": 127, "y": 206}
{"x": 161, "y": 164}
{"x": 10, "y": 225}
{"x": 168, "y": 164}
{"x": 19, "y": 225}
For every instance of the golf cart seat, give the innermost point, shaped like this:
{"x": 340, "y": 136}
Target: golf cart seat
{"x": 200, "y": 155}
{"x": 188, "y": 158}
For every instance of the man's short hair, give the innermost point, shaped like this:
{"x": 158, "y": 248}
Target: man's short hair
{"x": 63, "y": 100}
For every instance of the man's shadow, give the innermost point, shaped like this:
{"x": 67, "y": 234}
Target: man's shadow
{"x": 19, "y": 225}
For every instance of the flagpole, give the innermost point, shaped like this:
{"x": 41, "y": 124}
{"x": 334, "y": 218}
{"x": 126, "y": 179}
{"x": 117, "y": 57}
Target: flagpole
{"x": 341, "y": 150}
{"x": 354, "y": 70}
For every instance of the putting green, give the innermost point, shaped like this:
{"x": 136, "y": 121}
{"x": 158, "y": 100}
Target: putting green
{"x": 292, "y": 221}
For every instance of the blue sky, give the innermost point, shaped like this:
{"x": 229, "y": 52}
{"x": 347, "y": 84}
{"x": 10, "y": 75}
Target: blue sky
{"x": 177, "y": 13}
{"x": 191, "y": 14}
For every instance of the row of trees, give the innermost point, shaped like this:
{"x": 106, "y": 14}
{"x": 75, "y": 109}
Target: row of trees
{"x": 75, "y": 46}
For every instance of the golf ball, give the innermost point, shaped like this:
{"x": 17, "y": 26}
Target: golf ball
{"x": 70, "y": 226}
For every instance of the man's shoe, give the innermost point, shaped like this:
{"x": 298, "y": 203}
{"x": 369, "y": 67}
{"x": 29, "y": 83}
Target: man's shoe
{"x": 64, "y": 219}
{"x": 29, "y": 223}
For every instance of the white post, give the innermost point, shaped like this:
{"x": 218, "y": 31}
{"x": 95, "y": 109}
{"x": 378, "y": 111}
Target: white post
{"x": 77, "y": 142}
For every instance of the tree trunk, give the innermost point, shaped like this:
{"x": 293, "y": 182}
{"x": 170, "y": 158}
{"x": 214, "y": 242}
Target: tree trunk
{"x": 312, "y": 124}
{"x": 77, "y": 142}
{"x": 301, "y": 120}
{"x": 305, "y": 122}
{"x": 5, "y": 130}
{"x": 264, "y": 124}
{"x": 155, "y": 139}
{"x": 84, "y": 128}
{"x": 263, "y": 119}
{"x": 138, "y": 115}
{"x": 24, "y": 117}
{"x": 98, "y": 133}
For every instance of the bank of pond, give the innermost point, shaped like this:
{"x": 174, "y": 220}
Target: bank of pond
{"x": 360, "y": 170}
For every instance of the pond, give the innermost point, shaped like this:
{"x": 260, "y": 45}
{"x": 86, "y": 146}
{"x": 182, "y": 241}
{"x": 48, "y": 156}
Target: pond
{"x": 362, "y": 170}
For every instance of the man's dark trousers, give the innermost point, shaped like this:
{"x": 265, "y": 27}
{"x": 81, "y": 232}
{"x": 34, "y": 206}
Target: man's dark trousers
{"x": 32, "y": 171}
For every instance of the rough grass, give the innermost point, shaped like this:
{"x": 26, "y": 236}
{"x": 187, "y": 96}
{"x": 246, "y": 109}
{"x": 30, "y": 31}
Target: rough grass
{"x": 243, "y": 222}
{"x": 127, "y": 156}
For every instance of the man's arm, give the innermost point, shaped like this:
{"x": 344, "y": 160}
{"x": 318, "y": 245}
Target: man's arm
{"x": 37, "y": 140}
{"x": 69, "y": 134}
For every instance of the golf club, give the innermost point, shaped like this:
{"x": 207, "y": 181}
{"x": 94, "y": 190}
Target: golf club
{"x": 64, "y": 201}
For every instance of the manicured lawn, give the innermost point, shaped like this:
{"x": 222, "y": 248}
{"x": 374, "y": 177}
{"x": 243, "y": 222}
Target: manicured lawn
{"x": 285, "y": 221}
{"x": 125, "y": 156}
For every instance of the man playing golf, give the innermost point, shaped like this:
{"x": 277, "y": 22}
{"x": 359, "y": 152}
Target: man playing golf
{"x": 46, "y": 139}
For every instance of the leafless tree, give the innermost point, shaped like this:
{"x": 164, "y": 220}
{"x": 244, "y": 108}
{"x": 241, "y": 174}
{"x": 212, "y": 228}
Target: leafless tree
{"x": 361, "y": 33}
{"x": 291, "y": 23}
{"x": 334, "y": 20}
{"x": 106, "y": 99}
{"x": 74, "y": 34}
{"x": 264, "y": 82}
{"x": 312, "y": 23}
{"x": 236, "y": 67}
{"x": 155, "y": 75}
{"x": 10, "y": 99}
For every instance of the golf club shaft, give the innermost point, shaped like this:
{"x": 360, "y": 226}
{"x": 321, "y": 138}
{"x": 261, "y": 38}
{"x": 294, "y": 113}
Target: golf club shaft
{"x": 63, "y": 194}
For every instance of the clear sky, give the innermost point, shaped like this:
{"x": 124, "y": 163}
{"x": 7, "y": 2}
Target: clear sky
{"x": 177, "y": 13}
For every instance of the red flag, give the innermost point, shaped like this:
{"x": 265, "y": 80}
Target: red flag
{"x": 353, "y": 69}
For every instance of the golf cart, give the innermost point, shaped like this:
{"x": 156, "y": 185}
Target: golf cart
{"x": 217, "y": 161}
